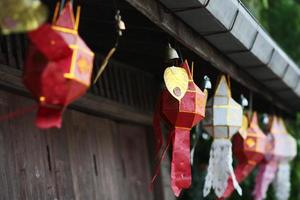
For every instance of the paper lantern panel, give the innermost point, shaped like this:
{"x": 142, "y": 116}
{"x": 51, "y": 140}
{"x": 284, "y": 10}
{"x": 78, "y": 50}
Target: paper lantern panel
{"x": 58, "y": 67}
{"x": 253, "y": 146}
{"x": 285, "y": 146}
{"x": 189, "y": 110}
{"x": 223, "y": 114}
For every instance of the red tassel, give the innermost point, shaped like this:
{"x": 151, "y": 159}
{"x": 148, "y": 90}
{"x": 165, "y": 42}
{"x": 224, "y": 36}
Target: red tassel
{"x": 181, "y": 161}
{"x": 49, "y": 117}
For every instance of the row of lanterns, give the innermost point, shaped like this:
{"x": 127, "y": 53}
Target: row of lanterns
{"x": 182, "y": 105}
{"x": 58, "y": 70}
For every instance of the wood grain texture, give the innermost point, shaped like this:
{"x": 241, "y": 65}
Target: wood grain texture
{"x": 89, "y": 158}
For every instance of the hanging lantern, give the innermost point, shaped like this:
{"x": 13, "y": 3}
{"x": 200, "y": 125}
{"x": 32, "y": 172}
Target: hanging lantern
{"x": 21, "y": 15}
{"x": 223, "y": 120}
{"x": 249, "y": 151}
{"x": 58, "y": 67}
{"x": 285, "y": 150}
{"x": 268, "y": 168}
{"x": 182, "y": 109}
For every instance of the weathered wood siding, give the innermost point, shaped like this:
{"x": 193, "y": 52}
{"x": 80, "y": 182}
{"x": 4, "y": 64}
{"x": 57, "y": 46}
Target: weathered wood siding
{"x": 90, "y": 158}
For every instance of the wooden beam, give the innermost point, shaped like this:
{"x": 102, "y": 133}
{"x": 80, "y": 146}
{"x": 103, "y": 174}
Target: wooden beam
{"x": 95, "y": 105}
{"x": 193, "y": 41}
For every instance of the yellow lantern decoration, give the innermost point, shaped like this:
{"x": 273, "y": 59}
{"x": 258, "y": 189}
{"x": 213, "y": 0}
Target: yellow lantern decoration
{"x": 177, "y": 81}
{"x": 245, "y": 125}
{"x": 223, "y": 119}
{"x": 21, "y": 15}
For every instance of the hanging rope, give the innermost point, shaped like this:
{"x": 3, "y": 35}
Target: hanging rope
{"x": 18, "y": 113}
{"x": 120, "y": 27}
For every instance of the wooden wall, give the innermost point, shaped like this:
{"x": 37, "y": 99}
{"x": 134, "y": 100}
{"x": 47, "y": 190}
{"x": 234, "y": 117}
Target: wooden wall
{"x": 90, "y": 158}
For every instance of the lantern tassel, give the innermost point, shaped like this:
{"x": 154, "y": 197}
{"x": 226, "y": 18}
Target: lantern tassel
{"x": 181, "y": 177}
{"x": 241, "y": 172}
{"x": 282, "y": 184}
{"x": 220, "y": 168}
{"x": 48, "y": 117}
{"x": 265, "y": 176}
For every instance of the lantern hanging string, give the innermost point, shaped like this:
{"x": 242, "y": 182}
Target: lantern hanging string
{"x": 229, "y": 85}
{"x": 56, "y": 10}
{"x": 120, "y": 27}
{"x": 158, "y": 166}
{"x": 179, "y": 51}
{"x": 18, "y": 113}
{"x": 192, "y": 69}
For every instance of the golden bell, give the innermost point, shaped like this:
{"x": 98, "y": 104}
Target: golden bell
{"x": 171, "y": 53}
{"x": 21, "y": 15}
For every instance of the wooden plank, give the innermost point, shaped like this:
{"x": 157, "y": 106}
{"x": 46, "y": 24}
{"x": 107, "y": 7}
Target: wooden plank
{"x": 58, "y": 162}
{"x": 5, "y": 154}
{"x": 88, "y": 158}
{"x": 19, "y": 52}
{"x": 134, "y": 152}
{"x": 80, "y": 156}
{"x": 190, "y": 39}
{"x": 10, "y": 58}
{"x": 11, "y": 79}
{"x": 109, "y": 180}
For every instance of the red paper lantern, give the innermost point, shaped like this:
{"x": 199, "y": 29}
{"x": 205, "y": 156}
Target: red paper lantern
{"x": 249, "y": 151}
{"x": 58, "y": 67}
{"x": 181, "y": 116}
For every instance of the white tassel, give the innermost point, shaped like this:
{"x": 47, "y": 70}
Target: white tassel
{"x": 282, "y": 184}
{"x": 220, "y": 168}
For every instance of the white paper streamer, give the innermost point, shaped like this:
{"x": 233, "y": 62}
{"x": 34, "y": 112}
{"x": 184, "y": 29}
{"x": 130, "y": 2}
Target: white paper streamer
{"x": 220, "y": 168}
{"x": 282, "y": 184}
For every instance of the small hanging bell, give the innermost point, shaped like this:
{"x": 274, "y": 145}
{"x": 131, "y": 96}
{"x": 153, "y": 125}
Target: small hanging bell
{"x": 265, "y": 119}
{"x": 244, "y": 101}
{"x": 207, "y": 83}
{"x": 171, "y": 53}
{"x": 120, "y": 23}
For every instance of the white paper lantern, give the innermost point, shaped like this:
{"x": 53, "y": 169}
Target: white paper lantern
{"x": 223, "y": 114}
{"x": 223, "y": 119}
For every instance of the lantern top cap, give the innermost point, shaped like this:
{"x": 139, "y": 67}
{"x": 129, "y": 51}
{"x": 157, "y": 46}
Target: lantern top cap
{"x": 278, "y": 126}
{"x": 282, "y": 126}
{"x": 66, "y": 18}
{"x": 254, "y": 121}
{"x": 223, "y": 88}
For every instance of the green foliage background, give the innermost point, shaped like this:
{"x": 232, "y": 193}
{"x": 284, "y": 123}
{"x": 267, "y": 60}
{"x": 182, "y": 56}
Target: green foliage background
{"x": 281, "y": 18}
